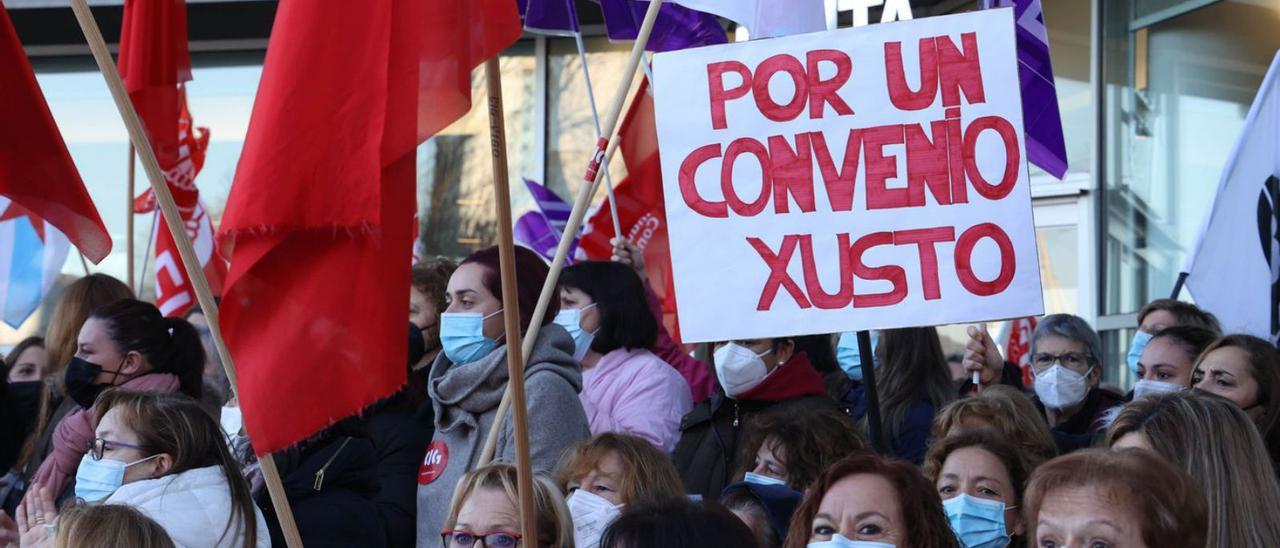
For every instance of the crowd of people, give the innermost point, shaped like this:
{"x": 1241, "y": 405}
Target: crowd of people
{"x": 119, "y": 428}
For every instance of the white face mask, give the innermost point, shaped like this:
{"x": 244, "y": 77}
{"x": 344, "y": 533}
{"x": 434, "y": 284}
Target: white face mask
{"x": 1146, "y": 388}
{"x": 1060, "y": 388}
{"x": 839, "y": 541}
{"x": 739, "y": 369}
{"x": 591, "y": 514}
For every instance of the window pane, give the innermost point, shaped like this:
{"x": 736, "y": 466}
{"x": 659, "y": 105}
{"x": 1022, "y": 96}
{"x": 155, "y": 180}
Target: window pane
{"x": 1167, "y": 142}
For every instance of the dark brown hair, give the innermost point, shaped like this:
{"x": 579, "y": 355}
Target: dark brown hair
{"x": 914, "y": 366}
{"x": 77, "y": 302}
{"x": 177, "y": 425}
{"x": 432, "y": 279}
{"x": 531, "y": 273}
{"x": 809, "y": 436}
{"x": 1167, "y": 502}
{"x": 1016, "y": 462}
{"x": 647, "y": 472}
{"x": 925, "y": 525}
{"x": 170, "y": 345}
{"x": 677, "y": 523}
{"x": 1264, "y": 364}
{"x": 1184, "y": 313}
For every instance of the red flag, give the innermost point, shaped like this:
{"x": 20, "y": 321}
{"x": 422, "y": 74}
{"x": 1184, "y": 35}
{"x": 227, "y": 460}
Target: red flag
{"x": 321, "y": 207}
{"x": 36, "y": 170}
{"x": 642, "y": 212}
{"x": 155, "y": 64}
{"x": 1017, "y": 347}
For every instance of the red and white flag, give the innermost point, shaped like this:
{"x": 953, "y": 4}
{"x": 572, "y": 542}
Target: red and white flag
{"x": 155, "y": 64}
{"x": 1017, "y": 346}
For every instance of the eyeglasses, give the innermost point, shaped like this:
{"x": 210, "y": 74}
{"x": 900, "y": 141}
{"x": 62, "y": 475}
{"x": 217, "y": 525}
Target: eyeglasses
{"x": 97, "y": 446}
{"x": 1074, "y": 361}
{"x": 466, "y": 539}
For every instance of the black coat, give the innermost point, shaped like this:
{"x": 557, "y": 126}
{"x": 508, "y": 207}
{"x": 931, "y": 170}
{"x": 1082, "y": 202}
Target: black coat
{"x": 343, "y": 511}
{"x": 400, "y": 439}
{"x": 707, "y": 455}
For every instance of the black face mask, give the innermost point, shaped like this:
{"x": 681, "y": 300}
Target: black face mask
{"x": 26, "y": 396}
{"x": 79, "y": 381}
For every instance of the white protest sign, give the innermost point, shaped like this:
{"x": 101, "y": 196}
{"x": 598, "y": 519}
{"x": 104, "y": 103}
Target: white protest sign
{"x": 866, "y": 178}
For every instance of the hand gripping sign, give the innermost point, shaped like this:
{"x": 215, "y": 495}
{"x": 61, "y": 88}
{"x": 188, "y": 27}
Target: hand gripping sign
{"x": 854, "y": 179}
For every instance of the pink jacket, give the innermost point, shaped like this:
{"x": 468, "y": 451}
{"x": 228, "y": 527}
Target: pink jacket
{"x": 635, "y": 392}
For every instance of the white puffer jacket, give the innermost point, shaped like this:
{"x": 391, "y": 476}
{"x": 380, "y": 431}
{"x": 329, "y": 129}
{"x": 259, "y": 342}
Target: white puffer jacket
{"x": 194, "y": 507}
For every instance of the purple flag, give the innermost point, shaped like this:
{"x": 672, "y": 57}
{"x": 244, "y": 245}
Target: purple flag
{"x": 554, "y": 17}
{"x": 540, "y": 230}
{"x": 677, "y": 27}
{"x": 1040, "y": 116}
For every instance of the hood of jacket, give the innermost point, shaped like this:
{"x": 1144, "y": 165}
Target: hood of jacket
{"x": 460, "y": 393}
{"x": 194, "y": 507}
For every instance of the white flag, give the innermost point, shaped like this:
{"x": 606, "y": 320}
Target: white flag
{"x": 767, "y": 18}
{"x": 1234, "y": 269}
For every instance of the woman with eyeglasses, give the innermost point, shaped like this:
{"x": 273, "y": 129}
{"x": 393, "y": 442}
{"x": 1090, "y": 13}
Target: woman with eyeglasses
{"x": 163, "y": 455}
{"x": 485, "y": 512}
{"x": 1065, "y": 358}
{"x": 128, "y": 344}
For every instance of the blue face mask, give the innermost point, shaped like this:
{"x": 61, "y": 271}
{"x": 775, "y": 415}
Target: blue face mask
{"x": 761, "y": 479}
{"x": 850, "y": 357}
{"x": 571, "y": 320}
{"x": 1135, "y": 350}
{"x": 462, "y": 336}
{"x": 978, "y": 523}
{"x": 98, "y": 479}
{"x": 839, "y": 541}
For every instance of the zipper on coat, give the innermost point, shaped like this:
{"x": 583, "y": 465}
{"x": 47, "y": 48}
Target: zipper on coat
{"x": 319, "y": 483}
{"x": 735, "y": 414}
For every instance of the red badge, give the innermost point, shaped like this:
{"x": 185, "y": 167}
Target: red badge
{"x": 433, "y": 462}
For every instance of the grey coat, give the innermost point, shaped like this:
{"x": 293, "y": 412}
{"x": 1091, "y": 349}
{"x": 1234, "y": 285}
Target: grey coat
{"x": 466, "y": 400}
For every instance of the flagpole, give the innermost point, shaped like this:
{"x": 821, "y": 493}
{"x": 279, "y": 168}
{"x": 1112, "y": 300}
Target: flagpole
{"x": 510, "y": 300}
{"x": 595, "y": 118}
{"x": 146, "y": 253}
{"x": 83, "y": 263}
{"x": 603, "y": 151}
{"x": 138, "y": 136}
{"x": 129, "y": 217}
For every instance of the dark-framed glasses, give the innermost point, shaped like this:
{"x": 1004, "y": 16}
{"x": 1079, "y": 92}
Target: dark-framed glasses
{"x": 467, "y": 539}
{"x": 98, "y": 445}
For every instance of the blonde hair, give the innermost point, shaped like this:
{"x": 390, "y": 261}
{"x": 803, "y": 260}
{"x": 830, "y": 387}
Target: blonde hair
{"x": 552, "y": 514}
{"x": 1215, "y": 442}
{"x": 647, "y": 472}
{"x": 108, "y": 526}
{"x": 1010, "y": 412}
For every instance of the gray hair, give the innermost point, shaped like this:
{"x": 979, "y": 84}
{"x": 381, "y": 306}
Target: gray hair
{"x": 1071, "y": 327}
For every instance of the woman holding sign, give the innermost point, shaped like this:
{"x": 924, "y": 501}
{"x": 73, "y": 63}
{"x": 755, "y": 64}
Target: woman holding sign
{"x": 625, "y": 387}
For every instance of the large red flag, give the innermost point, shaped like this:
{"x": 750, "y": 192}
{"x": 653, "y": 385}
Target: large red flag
{"x": 155, "y": 64}
{"x": 36, "y": 170}
{"x": 642, "y": 213}
{"x": 318, "y": 221}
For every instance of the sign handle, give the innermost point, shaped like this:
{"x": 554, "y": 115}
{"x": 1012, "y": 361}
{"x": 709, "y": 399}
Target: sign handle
{"x": 874, "y": 428}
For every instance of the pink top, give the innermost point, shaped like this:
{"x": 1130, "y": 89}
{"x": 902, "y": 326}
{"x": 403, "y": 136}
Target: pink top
{"x": 635, "y": 392}
{"x": 696, "y": 373}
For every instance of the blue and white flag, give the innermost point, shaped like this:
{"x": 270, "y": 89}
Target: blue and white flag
{"x": 31, "y": 256}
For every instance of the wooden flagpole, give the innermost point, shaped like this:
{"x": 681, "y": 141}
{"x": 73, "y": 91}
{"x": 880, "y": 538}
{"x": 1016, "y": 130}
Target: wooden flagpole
{"x": 138, "y": 136}
{"x": 600, "y": 156}
{"x": 510, "y": 302}
{"x": 128, "y": 198}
